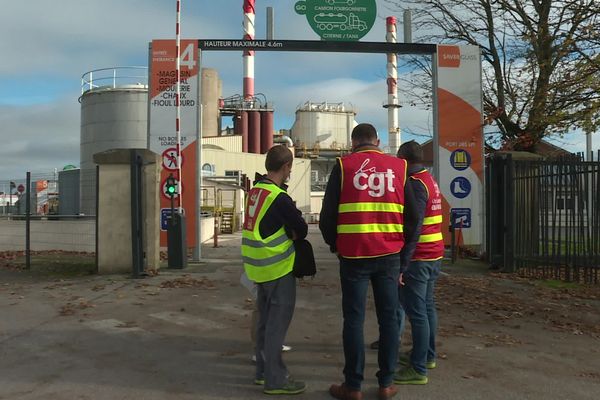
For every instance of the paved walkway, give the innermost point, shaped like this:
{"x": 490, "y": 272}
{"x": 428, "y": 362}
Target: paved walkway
{"x": 185, "y": 335}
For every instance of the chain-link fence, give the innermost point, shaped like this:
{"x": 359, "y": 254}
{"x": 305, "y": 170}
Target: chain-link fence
{"x": 42, "y": 226}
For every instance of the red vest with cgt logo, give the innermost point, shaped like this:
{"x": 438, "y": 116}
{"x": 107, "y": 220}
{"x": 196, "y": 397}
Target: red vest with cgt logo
{"x": 430, "y": 246}
{"x": 371, "y": 207}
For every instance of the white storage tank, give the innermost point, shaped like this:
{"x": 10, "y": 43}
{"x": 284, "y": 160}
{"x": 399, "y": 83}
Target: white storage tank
{"x": 326, "y": 126}
{"x": 114, "y": 115}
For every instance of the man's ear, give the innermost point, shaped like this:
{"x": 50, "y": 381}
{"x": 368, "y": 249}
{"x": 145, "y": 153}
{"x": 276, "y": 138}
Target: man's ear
{"x": 377, "y": 143}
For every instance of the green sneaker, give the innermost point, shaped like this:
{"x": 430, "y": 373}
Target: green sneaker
{"x": 404, "y": 361}
{"x": 409, "y": 376}
{"x": 259, "y": 381}
{"x": 291, "y": 387}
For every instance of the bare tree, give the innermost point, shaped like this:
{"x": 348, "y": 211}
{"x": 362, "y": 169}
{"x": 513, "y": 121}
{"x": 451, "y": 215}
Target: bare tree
{"x": 541, "y": 60}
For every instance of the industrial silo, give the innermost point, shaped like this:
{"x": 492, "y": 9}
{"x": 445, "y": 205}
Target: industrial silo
{"x": 211, "y": 91}
{"x": 323, "y": 126}
{"x": 114, "y": 115}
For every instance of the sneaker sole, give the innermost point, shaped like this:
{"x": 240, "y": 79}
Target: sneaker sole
{"x": 412, "y": 382}
{"x": 260, "y": 382}
{"x": 429, "y": 365}
{"x": 283, "y": 391}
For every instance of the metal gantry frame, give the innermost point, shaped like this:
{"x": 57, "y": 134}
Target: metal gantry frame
{"x": 305, "y": 46}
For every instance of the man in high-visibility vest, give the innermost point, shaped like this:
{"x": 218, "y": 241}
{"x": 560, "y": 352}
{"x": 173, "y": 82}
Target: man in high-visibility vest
{"x": 271, "y": 223}
{"x": 420, "y": 271}
{"x": 362, "y": 220}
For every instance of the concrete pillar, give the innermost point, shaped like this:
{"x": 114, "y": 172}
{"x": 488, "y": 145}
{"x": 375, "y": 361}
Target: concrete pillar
{"x": 114, "y": 213}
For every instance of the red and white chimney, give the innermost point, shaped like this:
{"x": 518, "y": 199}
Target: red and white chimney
{"x": 248, "y": 57}
{"x": 392, "y": 85}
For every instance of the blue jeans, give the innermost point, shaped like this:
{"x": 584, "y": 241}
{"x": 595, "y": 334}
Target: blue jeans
{"x": 419, "y": 304}
{"x": 355, "y": 275}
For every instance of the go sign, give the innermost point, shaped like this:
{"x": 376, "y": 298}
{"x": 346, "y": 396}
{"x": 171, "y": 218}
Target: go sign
{"x": 339, "y": 20}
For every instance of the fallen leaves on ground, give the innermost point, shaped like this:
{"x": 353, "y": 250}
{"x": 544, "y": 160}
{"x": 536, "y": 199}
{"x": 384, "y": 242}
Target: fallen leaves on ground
{"x": 187, "y": 281}
{"x": 486, "y": 299}
{"x": 72, "y": 307}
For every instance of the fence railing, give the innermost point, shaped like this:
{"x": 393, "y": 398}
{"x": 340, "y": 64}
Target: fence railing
{"x": 42, "y": 226}
{"x": 115, "y": 77}
{"x": 544, "y": 217}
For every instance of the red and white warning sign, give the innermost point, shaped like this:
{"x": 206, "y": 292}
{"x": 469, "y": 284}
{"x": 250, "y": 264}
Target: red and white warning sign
{"x": 169, "y": 159}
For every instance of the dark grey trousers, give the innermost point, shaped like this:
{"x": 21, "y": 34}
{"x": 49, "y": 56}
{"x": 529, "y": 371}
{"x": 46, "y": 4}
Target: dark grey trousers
{"x": 276, "y": 301}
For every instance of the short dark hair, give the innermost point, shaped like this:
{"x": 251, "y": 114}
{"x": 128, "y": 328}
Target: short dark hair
{"x": 277, "y": 157}
{"x": 411, "y": 152}
{"x": 364, "y": 133}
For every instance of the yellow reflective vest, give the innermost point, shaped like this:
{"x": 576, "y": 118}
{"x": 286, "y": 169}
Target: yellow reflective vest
{"x": 269, "y": 258}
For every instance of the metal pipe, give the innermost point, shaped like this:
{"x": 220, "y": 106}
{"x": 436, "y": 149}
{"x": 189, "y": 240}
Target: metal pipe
{"x": 216, "y": 231}
{"x": 28, "y": 222}
{"x": 284, "y": 139}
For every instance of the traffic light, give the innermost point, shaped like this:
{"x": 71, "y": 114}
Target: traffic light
{"x": 171, "y": 186}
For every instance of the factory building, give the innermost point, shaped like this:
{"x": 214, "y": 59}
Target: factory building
{"x": 114, "y": 115}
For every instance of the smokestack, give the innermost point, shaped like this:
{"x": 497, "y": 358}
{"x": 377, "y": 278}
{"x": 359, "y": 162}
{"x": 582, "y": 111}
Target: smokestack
{"x": 270, "y": 23}
{"x": 248, "y": 56}
{"x": 407, "y": 26}
{"x": 392, "y": 84}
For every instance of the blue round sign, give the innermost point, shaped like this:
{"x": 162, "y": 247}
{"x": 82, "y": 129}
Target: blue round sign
{"x": 460, "y": 159}
{"x": 460, "y": 187}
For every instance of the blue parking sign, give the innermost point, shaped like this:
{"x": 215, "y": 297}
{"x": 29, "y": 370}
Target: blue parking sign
{"x": 165, "y": 214}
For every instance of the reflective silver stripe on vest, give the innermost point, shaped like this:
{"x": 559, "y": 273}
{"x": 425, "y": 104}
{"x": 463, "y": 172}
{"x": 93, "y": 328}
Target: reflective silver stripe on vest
{"x": 265, "y": 262}
{"x": 258, "y": 244}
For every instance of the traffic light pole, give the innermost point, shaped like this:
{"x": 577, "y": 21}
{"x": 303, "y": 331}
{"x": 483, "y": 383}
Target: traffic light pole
{"x": 137, "y": 228}
{"x": 176, "y": 238}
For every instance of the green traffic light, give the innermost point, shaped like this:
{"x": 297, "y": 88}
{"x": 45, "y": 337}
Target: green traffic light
{"x": 171, "y": 189}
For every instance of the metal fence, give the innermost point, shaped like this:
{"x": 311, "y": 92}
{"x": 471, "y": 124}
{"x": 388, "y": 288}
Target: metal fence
{"x": 544, "y": 217}
{"x": 41, "y": 226}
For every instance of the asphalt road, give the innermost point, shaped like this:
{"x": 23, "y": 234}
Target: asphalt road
{"x": 184, "y": 334}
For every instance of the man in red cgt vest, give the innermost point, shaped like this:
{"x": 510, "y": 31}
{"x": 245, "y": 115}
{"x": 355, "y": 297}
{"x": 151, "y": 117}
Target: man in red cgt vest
{"x": 420, "y": 271}
{"x": 363, "y": 222}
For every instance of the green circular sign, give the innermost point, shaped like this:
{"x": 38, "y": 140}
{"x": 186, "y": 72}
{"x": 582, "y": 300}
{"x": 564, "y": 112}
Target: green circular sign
{"x": 343, "y": 20}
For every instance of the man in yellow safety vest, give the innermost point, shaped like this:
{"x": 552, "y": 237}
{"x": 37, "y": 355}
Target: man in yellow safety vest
{"x": 271, "y": 224}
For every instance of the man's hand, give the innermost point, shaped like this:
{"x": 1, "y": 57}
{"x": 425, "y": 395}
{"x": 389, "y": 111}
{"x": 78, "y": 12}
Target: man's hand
{"x": 401, "y": 279}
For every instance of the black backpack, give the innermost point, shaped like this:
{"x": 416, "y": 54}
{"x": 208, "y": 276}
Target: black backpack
{"x": 304, "y": 262}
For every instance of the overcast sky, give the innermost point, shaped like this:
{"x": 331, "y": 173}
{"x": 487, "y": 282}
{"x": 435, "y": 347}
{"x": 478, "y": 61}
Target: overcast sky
{"x": 47, "y": 45}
